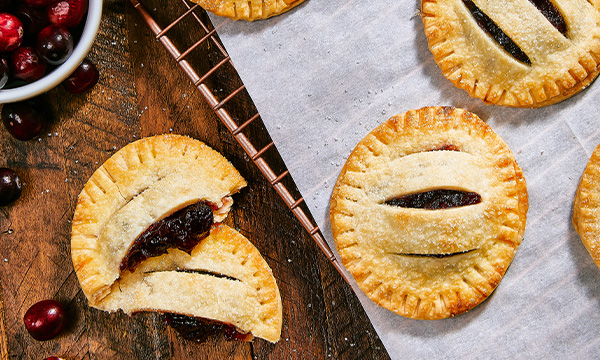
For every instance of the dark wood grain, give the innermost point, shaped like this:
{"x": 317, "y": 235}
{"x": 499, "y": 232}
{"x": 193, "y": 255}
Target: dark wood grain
{"x": 142, "y": 92}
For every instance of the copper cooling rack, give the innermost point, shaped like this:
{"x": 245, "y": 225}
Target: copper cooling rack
{"x": 209, "y": 37}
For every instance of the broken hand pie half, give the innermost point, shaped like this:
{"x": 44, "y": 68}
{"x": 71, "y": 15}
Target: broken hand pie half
{"x": 248, "y": 10}
{"x": 586, "y": 207}
{"x": 224, "y": 279}
{"x": 522, "y": 53}
{"x": 428, "y": 212}
{"x": 155, "y": 193}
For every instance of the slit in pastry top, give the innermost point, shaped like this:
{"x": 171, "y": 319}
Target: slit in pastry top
{"x": 436, "y": 199}
{"x": 546, "y": 7}
{"x": 208, "y": 272}
{"x": 436, "y": 256}
{"x": 490, "y": 27}
{"x": 550, "y": 12}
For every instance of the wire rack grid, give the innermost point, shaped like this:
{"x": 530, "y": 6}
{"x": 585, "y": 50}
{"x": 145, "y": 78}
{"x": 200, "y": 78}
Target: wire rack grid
{"x": 199, "y": 81}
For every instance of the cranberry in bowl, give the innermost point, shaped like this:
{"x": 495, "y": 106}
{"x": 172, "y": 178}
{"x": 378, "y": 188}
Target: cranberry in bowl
{"x": 46, "y": 56}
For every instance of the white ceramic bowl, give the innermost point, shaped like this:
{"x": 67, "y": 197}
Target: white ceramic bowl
{"x": 51, "y": 80}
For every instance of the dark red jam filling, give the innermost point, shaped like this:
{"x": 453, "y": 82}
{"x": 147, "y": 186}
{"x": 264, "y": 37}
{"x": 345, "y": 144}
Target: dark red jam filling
{"x": 449, "y": 147}
{"x": 547, "y": 8}
{"x": 183, "y": 229}
{"x": 199, "y": 329}
{"x": 490, "y": 27}
{"x": 436, "y": 199}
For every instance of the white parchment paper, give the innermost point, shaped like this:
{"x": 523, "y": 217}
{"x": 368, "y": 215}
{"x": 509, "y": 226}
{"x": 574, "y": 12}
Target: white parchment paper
{"x": 328, "y": 72}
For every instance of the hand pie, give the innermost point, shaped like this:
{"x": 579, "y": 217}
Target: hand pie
{"x": 224, "y": 279}
{"x": 586, "y": 207}
{"x": 150, "y": 187}
{"x": 520, "y": 53}
{"x": 428, "y": 212}
{"x": 248, "y": 10}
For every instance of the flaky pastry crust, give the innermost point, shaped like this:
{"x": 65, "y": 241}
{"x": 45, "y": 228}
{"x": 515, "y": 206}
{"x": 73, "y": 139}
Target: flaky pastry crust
{"x": 397, "y": 255}
{"x": 140, "y": 184}
{"x": 224, "y": 278}
{"x": 586, "y": 207}
{"x": 561, "y": 65}
{"x": 248, "y": 10}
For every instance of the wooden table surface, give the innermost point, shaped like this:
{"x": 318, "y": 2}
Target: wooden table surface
{"x": 142, "y": 92}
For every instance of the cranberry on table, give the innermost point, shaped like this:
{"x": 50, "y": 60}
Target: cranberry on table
{"x": 55, "y": 44}
{"x": 10, "y": 186}
{"x": 22, "y": 120}
{"x": 45, "y": 320}
{"x": 11, "y": 32}
{"x": 67, "y": 13}
{"x": 26, "y": 64}
{"x": 83, "y": 78}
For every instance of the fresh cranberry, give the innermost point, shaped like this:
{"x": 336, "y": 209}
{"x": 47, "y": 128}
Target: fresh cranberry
{"x": 67, "y": 13}
{"x": 11, "y": 32}
{"x": 33, "y": 19}
{"x": 26, "y": 64}
{"x": 45, "y": 320}
{"x": 10, "y": 186}
{"x": 55, "y": 44}
{"x": 83, "y": 78}
{"x": 22, "y": 120}
{"x": 53, "y": 358}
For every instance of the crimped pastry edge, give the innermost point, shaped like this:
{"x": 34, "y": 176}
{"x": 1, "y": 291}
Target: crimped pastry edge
{"x": 586, "y": 206}
{"x": 229, "y": 8}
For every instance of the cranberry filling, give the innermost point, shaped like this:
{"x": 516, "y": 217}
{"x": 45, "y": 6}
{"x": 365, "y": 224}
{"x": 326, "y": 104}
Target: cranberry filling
{"x": 183, "y": 230}
{"x": 436, "y": 199}
{"x": 490, "y": 27}
{"x": 547, "y": 8}
{"x": 199, "y": 329}
{"x": 448, "y": 147}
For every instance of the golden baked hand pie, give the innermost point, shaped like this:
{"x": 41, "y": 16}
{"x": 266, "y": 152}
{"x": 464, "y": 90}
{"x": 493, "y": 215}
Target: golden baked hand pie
{"x": 428, "y": 212}
{"x": 522, "y": 53}
{"x": 586, "y": 207}
{"x": 249, "y": 10}
{"x": 224, "y": 279}
{"x": 131, "y": 207}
